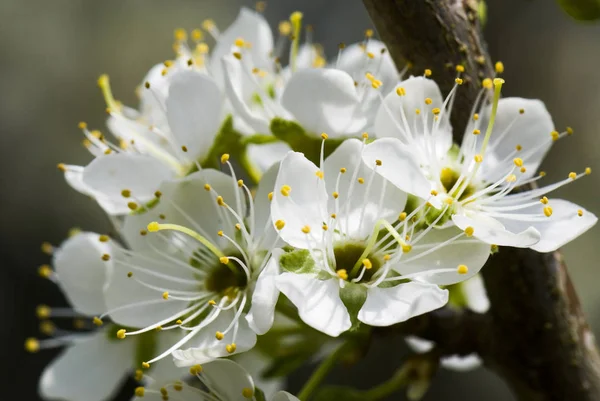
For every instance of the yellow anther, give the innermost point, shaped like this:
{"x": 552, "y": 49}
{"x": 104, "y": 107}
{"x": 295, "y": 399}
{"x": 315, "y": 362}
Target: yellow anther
{"x": 367, "y": 264}
{"x": 343, "y": 274}
{"x": 462, "y": 269}
{"x": 436, "y": 110}
{"x": 132, "y": 205}
{"x": 285, "y": 28}
{"x": 588, "y": 170}
{"x": 240, "y": 183}
{"x": 572, "y": 175}
{"x": 428, "y": 72}
{"x": 212, "y": 302}
{"x": 279, "y": 224}
{"x": 180, "y": 34}
{"x": 178, "y": 386}
{"x": 220, "y": 201}
{"x": 580, "y": 213}
{"x": 460, "y": 68}
{"x": 202, "y": 48}
{"x": 469, "y": 231}
{"x": 238, "y": 226}
{"x": 325, "y": 227}
{"x": 224, "y": 260}
{"x": 320, "y": 174}
{"x": 32, "y": 345}
{"x": 569, "y": 131}
{"x": 179, "y": 321}
{"x": 44, "y": 271}
{"x": 386, "y": 257}
{"x": 378, "y": 162}
{"x": 239, "y": 42}
{"x": 195, "y": 370}
{"x": 153, "y": 227}
{"x": 164, "y": 391}
{"x": 555, "y": 135}
{"x": 145, "y": 365}
{"x": 196, "y": 35}
{"x": 458, "y": 81}
{"x": 158, "y": 328}
{"x": 42, "y": 311}
{"x": 369, "y": 76}
{"x": 165, "y": 295}
{"x": 219, "y": 336}
{"x": 402, "y": 216}
{"x": 225, "y": 158}
{"x": 270, "y": 196}
{"x": 230, "y": 348}
{"x": 97, "y": 321}
{"x": 417, "y": 111}
{"x": 523, "y": 169}
{"x": 475, "y": 117}
{"x": 487, "y": 83}
{"x": 333, "y": 215}
{"x": 542, "y": 173}
{"x": 139, "y": 375}
{"x": 208, "y": 24}
{"x": 511, "y": 178}
{"x": 47, "y": 248}
{"x": 406, "y": 248}
{"x": 121, "y": 333}
{"x": 139, "y": 391}
{"x": 285, "y": 190}
{"x": 62, "y": 167}
{"x": 129, "y": 274}
{"x": 370, "y": 55}
{"x": 518, "y": 161}
{"x": 448, "y": 201}
{"x": 478, "y": 158}
{"x": 548, "y": 211}
{"x": 434, "y": 192}
{"x": 400, "y": 91}
{"x": 126, "y": 193}
{"x": 369, "y": 33}
{"x": 48, "y": 328}
{"x": 184, "y": 149}
{"x": 476, "y": 132}
{"x": 499, "y": 67}
{"x": 324, "y": 136}
{"x": 207, "y": 187}
{"x": 343, "y": 170}
{"x": 361, "y": 180}
{"x": 498, "y": 81}
{"x": 519, "y": 148}
{"x": 247, "y": 392}
{"x": 428, "y": 100}
{"x": 306, "y": 229}
{"x": 544, "y": 200}
{"x": 365, "y": 135}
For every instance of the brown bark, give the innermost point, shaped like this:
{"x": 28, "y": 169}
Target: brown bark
{"x": 535, "y": 335}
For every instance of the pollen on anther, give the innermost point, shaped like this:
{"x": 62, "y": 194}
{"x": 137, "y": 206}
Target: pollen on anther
{"x": 247, "y": 392}
{"x": 207, "y": 187}
{"x": 97, "y": 321}
{"x": 458, "y": 81}
{"x": 219, "y": 336}
{"x": 386, "y": 257}
{"x": 129, "y": 274}
{"x": 361, "y": 180}
{"x": 139, "y": 375}
{"x": 428, "y": 100}
{"x": 225, "y": 158}
{"x": 240, "y": 183}
{"x": 555, "y": 135}
{"x": 153, "y": 227}
{"x": 320, "y": 174}
{"x": 572, "y": 175}
{"x": 365, "y": 135}
{"x": 220, "y": 201}
{"x": 279, "y": 224}
{"x": 579, "y": 212}
{"x": 400, "y": 91}
{"x": 224, "y": 260}
{"x": 427, "y": 72}
{"x": 548, "y": 211}
{"x": 195, "y": 370}
{"x": 469, "y": 231}
{"x": 230, "y": 348}
{"x": 285, "y": 190}
{"x": 132, "y": 205}
{"x": 333, "y": 215}
{"x": 343, "y": 170}
{"x": 462, "y": 269}
{"x": 487, "y": 83}
{"x": 402, "y": 216}
{"x": 343, "y": 274}
{"x": 460, "y": 68}
{"x": 335, "y": 195}
{"x": 518, "y": 148}
{"x": 511, "y": 178}
{"x": 106, "y": 257}
{"x": 45, "y": 271}
{"x": 139, "y": 391}
{"x": 475, "y": 117}
{"x": 212, "y": 302}
{"x": 544, "y": 200}
{"x": 434, "y": 192}
{"x": 367, "y": 264}
{"x": 306, "y": 229}
{"x": 121, "y": 334}
{"x": 406, "y": 248}
{"x": 436, "y": 110}
{"x": 325, "y": 227}
{"x": 145, "y": 365}
{"x": 165, "y": 295}
{"x": 588, "y": 171}
{"x": 478, "y": 158}
{"x": 518, "y": 161}
{"x": 324, "y": 136}
{"x": 499, "y": 67}
{"x": 569, "y": 131}
{"x": 378, "y": 162}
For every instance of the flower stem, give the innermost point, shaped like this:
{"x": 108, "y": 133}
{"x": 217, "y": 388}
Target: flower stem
{"x": 321, "y": 372}
{"x": 396, "y": 382}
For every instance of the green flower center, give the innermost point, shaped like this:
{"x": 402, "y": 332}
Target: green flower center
{"x": 222, "y": 278}
{"x": 347, "y": 254}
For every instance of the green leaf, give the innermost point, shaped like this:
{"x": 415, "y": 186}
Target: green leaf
{"x": 339, "y": 393}
{"x": 259, "y": 395}
{"x": 298, "y": 261}
{"x": 353, "y": 296}
{"x": 294, "y": 135}
{"x": 582, "y": 10}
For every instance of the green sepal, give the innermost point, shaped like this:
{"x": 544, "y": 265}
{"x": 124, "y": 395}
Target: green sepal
{"x": 227, "y": 140}
{"x": 353, "y": 296}
{"x": 294, "y": 135}
{"x": 259, "y": 395}
{"x": 457, "y": 297}
{"x": 298, "y": 261}
{"x": 581, "y": 10}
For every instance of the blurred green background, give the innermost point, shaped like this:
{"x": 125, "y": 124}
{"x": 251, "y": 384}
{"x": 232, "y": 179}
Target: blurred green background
{"x": 51, "y": 53}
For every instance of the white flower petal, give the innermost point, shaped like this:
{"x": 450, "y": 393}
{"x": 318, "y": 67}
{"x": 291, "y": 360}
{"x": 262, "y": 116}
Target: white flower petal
{"x": 397, "y": 166}
{"x": 252, "y": 27}
{"x": 204, "y": 347}
{"x": 473, "y": 254}
{"x": 366, "y": 205}
{"x": 107, "y": 176}
{"x": 563, "y": 226}
{"x": 306, "y": 204}
{"x": 82, "y": 272}
{"x": 122, "y": 290}
{"x": 284, "y": 396}
{"x": 419, "y": 345}
{"x": 195, "y": 112}
{"x": 237, "y": 88}
{"x": 228, "y": 379}
{"x": 265, "y": 295}
{"x": 461, "y": 363}
{"x": 164, "y": 370}
{"x": 389, "y": 121}
{"x": 322, "y": 100}
{"x": 387, "y": 306}
{"x": 257, "y": 363}
{"x": 492, "y": 231}
{"x": 511, "y": 128}
{"x": 264, "y": 156}
{"x": 474, "y": 290}
{"x": 318, "y": 302}
{"x": 92, "y": 369}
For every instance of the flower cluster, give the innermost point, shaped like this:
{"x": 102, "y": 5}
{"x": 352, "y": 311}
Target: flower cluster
{"x": 252, "y": 199}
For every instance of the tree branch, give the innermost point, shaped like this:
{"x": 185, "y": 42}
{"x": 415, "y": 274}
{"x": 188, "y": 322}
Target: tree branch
{"x": 535, "y": 334}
